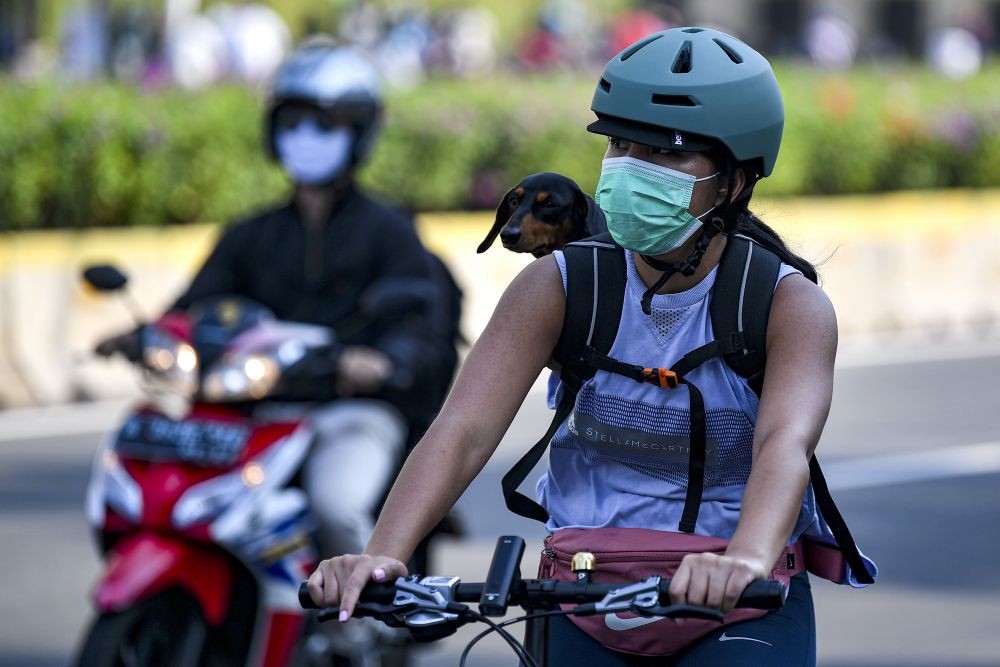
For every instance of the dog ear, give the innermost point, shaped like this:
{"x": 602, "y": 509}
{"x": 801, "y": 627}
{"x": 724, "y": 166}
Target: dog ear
{"x": 503, "y": 214}
{"x": 595, "y": 220}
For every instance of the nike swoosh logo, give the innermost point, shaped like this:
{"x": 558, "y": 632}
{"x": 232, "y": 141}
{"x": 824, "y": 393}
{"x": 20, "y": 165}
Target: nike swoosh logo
{"x": 616, "y": 622}
{"x": 724, "y": 638}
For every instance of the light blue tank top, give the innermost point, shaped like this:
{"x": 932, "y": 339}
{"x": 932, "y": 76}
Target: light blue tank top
{"x": 621, "y": 458}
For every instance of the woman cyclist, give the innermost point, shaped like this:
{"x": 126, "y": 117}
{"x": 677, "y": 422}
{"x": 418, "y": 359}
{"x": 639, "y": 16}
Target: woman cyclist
{"x": 694, "y": 118}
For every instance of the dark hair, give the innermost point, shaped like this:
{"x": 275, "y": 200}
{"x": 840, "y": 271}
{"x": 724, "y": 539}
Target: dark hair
{"x": 750, "y": 225}
{"x": 741, "y": 220}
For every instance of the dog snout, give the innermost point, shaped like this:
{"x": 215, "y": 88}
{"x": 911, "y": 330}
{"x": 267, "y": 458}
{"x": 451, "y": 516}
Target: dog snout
{"x": 510, "y": 236}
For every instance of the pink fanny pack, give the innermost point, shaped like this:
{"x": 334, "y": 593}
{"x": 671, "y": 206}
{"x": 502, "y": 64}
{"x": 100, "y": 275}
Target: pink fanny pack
{"x": 627, "y": 555}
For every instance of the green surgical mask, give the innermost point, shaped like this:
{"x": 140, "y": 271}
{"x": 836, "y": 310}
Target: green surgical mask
{"x": 646, "y": 205}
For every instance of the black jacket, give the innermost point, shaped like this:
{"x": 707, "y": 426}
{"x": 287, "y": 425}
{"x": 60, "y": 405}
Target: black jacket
{"x": 318, "y": 276}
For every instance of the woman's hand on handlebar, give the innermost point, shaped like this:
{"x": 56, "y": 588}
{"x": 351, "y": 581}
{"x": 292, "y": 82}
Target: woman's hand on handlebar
{"x": 339, "y": 581}
{"x": 714, "y": 581}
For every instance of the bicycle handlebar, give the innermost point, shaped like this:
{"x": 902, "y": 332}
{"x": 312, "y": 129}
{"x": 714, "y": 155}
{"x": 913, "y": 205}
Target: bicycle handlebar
{"x": 432, "y": 607}
{"x": 547, "y": 592}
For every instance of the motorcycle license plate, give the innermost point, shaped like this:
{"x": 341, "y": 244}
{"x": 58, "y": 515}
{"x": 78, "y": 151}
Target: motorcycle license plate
{"x": 154, "y": 437}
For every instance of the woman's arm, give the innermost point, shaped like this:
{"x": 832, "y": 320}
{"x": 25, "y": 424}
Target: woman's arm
{"x": 490, "y": 388}
{"x": 795, "y": 402}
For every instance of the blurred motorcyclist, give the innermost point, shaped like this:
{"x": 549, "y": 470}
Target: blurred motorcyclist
{"x": 311, "y": 260}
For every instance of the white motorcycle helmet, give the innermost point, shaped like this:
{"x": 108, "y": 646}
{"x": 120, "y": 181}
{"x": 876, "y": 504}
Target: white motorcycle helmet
{"x": 340, "y": 81}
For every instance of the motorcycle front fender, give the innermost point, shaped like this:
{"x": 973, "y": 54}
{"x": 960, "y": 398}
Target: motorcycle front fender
{"x": 142, "y": 565}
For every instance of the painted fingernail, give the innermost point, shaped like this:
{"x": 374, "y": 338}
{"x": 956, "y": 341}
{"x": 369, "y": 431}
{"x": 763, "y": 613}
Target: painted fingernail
{"x": 343, "y": 616}
{"x": 378, "y": 574}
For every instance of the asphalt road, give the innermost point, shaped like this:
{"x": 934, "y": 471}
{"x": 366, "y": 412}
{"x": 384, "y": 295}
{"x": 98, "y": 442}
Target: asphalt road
{"x": 933, "y": 530}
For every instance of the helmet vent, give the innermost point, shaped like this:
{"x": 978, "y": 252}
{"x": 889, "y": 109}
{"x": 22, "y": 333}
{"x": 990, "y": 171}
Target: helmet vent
{"x": 730, "y": 51}
{"x": 682, "y": 63}
{"x": 692, "y": 30}
{"x": 635, "y": 47}
{"x": 605, "y": 86}
{"x": 674, "y": 100}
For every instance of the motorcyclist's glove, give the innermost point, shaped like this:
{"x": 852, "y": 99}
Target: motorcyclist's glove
{"x": 313, "y": 377}
{"x": 128, "y": 344}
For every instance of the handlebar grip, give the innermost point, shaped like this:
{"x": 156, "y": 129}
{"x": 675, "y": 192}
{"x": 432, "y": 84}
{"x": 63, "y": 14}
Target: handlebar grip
{"x": 380, "y": 593}
{"x": 305, "y": 600}
{"x": 763, "y": 595}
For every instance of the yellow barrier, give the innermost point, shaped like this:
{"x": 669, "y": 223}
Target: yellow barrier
{"x": 803, "y": 221}
{"x": 913, "y": 263}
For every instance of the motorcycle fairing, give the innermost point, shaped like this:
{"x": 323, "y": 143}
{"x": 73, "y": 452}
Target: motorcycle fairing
{"x": 145, "y": 564}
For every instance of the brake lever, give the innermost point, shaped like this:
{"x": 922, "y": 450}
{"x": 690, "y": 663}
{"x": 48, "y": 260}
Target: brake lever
{"x": 386, "y": 613}
{"x": 432, "y": 599}
{"x": 679, "y": 611}
{"x": 643, "y": 598}
{"x": 643, "y": 595}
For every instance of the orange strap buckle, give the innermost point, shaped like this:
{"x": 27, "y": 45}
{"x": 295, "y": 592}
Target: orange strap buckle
{"x": 662, "y": 377}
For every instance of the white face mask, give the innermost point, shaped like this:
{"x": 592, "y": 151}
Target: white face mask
{"x": 312, "y": 156}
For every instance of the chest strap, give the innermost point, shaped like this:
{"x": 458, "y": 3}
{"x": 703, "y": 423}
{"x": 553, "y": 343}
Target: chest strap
{"x": 661, "y": 377}
{"x": 671, "y": 379}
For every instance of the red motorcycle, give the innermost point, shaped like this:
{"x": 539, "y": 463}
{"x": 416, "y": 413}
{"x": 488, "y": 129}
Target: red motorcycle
{"x": 203, "y": 528}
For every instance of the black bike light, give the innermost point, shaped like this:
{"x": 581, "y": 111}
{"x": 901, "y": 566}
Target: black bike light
{"x": 503, "y": 577}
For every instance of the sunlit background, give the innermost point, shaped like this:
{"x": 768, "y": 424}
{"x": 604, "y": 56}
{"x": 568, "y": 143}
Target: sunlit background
{"x": 131, "y": 130}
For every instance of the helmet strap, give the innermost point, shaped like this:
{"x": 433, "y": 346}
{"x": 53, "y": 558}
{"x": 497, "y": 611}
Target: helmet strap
{"x": 687, "y": 267}
{"x": 725, "y": 209}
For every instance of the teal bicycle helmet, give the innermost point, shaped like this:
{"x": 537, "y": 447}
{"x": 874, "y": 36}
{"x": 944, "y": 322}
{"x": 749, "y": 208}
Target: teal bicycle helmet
{"x": 692, "y": 89}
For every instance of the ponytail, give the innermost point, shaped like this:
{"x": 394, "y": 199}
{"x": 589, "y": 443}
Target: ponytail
{"x": 740, "y": 220}
{"x": 750, "y": 225}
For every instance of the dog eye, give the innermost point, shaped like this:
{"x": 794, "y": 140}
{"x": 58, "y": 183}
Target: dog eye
{"x": 512, "y": 201}
{"x": 548, "y": 203}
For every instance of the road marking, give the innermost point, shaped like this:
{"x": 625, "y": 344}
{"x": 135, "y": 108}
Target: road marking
{"x": 922, "y": 466}
{"x": 874, "y": 355}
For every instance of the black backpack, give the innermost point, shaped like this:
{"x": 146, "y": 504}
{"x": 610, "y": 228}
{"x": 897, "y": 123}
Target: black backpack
{"x": 741, "y": 303}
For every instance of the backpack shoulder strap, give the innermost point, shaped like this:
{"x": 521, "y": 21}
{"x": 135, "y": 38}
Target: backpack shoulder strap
{"x": 741, "y": 302}
{"x": 739, "y": 309}
{"x": 595, "y": 292}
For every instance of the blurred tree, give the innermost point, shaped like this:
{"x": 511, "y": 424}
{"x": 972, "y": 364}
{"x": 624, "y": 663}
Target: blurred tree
{"x": 515, "y": 19}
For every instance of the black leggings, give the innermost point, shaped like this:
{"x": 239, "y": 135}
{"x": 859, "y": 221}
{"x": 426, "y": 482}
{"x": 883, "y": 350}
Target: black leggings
{"x": 782, "y": 638}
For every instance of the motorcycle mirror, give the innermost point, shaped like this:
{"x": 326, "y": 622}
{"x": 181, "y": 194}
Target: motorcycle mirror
{"x": 397, "y": 297}
{"x": 104, "y": 277}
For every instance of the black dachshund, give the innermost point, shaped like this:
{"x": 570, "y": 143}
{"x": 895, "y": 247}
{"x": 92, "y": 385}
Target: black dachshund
{"x": 543, "y": 213}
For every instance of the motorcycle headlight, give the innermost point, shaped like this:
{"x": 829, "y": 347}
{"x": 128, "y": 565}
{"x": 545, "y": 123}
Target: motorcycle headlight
{"x": 243, "y": 376}
{"x": 173, "y": 360}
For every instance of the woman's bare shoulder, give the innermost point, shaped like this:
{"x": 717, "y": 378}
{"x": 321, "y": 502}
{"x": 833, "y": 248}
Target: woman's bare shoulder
{"x": 801, "y": 310}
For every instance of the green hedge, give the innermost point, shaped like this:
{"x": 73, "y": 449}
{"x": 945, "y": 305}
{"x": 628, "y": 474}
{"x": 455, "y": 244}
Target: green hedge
{"x": 109, "y": 155}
